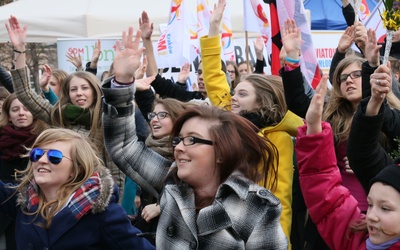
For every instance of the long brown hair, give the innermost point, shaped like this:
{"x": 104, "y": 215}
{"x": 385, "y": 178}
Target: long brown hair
{"x": 237, "y": 145}
{"x": 96, "y": 132}
{"x": 37, "y": 125}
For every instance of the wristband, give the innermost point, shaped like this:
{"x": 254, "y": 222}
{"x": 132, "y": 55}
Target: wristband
{"x": 293, "y": 61}
{"x": 20, "y": 52}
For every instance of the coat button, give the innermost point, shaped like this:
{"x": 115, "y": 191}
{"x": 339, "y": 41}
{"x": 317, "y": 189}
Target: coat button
{"x": 262, "y": 193}
{"x": 170, "y": 231}
{"x": 192, "y": 245}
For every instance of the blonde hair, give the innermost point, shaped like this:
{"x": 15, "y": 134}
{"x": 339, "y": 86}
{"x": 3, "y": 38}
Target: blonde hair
{"x": 84, "y": 164}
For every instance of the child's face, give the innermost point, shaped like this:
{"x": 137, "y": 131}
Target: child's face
{"x": 383, "y": 215}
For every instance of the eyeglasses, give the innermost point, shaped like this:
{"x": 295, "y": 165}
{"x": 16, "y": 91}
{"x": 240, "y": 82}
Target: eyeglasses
{"x": 231, "y": 71}
{"x": 189, "y": 140}
{"x": 199, "y": 72}
{"x": 160, "y": 115}
{"x": 53, "y": 155}
{"x": 353, "y": 75}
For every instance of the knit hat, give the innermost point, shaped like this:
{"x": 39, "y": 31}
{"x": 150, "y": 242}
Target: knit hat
{"x": 4, "y": 92}
{"x": 390, "y": 175}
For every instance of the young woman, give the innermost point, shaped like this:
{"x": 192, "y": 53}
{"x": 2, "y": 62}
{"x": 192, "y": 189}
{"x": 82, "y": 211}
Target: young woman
{"x": 233, "y": 72}
{"x": 331, "y": 206}
{"x": 161, "y": 120}
{"x": 209, "y": 198}
{"x": 18, "y": 129}
{"x": 261, "y": 100}
{"x": 79, "y": 105}
{"x": 51, "y": 82}
{"x": 66, "y": 199}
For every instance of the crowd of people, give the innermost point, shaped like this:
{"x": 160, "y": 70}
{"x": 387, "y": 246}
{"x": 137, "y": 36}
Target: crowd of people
{"x": 246, "y": 161}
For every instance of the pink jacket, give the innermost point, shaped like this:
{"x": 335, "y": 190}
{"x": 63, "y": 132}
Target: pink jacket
{"x": 330, "y": 205}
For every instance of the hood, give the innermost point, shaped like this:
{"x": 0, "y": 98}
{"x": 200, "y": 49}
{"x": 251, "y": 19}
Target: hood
{"x": 289, "y": 124}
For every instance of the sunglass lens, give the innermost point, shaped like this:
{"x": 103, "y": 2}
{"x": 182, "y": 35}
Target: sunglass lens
{"x": 36, "y": 154}
{"x": 55, "y": 156}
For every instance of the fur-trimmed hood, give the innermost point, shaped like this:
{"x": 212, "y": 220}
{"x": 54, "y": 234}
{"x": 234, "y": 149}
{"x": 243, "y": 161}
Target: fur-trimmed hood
{"x": 106, "y": 191}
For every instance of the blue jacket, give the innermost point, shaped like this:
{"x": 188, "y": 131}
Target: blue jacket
{"x": 104, "y": 226}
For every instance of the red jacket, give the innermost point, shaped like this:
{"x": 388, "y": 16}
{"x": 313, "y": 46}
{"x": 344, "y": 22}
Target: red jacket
{"x": 330, "y": 205}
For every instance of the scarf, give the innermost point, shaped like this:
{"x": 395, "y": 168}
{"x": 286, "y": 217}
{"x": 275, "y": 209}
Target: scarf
{"x": 161, "y": 146}
{"x": 12, "y": 141}
{"x": 74, "y": 115}
{"x": 82, "y": 200}
{"x": 383, "y": 246}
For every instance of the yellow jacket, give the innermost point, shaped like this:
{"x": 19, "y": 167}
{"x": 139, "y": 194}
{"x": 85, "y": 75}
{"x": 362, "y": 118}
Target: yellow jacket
{"x": 218, "y": 92}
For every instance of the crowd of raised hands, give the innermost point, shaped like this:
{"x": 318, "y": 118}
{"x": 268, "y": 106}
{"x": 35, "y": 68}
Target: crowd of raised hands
{"x": 201, "y": 164}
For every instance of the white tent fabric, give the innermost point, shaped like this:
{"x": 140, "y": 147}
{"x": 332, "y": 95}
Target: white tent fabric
{"x": 49, "y": 20}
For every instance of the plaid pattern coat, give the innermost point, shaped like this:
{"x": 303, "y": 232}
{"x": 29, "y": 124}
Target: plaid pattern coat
{"x": 41, "y": 109}
{"x": 242, "y": 216}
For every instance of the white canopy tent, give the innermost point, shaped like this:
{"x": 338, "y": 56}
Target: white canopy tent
{"x": 49, "y": 20}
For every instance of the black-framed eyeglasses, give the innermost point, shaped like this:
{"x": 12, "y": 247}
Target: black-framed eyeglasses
{"x": 189, "y": 140}
{"x": 53, "y": 155}
{"x": 199, "y": 72}
{"x": 231, "y": 71}
{"x": 353, "y": 75}
{"x": 160, "y": 115}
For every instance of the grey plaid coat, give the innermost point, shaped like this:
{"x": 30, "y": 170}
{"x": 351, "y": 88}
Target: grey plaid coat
{"x": 242, "y": 216}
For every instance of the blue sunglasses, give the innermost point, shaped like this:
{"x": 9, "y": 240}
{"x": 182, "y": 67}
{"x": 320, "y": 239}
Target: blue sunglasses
{"x": 53, "y": 155}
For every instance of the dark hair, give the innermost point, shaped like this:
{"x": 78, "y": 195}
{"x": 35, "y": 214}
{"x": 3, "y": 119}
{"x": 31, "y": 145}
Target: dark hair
{"x": 237, "y": 145}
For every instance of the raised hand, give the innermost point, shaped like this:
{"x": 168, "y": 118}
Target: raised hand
{"x": 145, "y": 26}
{"x": 16, "y": 33}
{"x": 45, "y": 78}
{"x": 258, "y": 47}
{"x": 291, "y": 39}
{"x": 381, "y": 84}
{"x": 96, "y": 54}
{"x": 346, "y": 40}
{"x": 144, "y": 83}
{"x": 216, "y": 17}
{"x": 184, "y": 73}
{"x": 360, "y": 35}
{"x": 372, "y": 48}
{"x": 127, "y": 56}
{"x": 139, "y": 73}
{"x": 75, "y": 59}
{"x": 314, "y": 112}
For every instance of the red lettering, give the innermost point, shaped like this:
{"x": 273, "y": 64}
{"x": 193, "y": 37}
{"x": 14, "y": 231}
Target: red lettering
{"x": 162, "y": 44}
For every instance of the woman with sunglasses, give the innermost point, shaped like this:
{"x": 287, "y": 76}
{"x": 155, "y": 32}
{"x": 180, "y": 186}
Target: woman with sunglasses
{"x": 79, "y": 105}
{"x": 66, "y": 199}
{"x": 209, "y": 198}
{"x": 18, "y": 129}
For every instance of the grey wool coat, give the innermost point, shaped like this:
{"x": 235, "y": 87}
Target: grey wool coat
{"x": 242, "y": 216}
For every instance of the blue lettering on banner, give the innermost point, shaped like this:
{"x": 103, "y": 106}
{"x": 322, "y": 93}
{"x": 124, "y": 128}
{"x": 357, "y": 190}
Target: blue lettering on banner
{"x": 169, "y": 43}
{"x": 324, "y": 63}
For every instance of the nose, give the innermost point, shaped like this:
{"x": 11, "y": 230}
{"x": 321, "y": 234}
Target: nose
{"x": 371, "y": 215}
{"x": 43, "y": 159}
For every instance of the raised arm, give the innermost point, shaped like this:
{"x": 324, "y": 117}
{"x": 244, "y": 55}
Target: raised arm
{"x": 142, "y": 165}
{"x": 217, "y": 86}
{"x": 147, "y": 30}
{"x": 330, "y": 205}
{"x": 38, "y": 106}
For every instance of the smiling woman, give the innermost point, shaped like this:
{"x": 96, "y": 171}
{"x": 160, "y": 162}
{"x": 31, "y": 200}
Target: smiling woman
{"x": 18, "y": 129}
{"x": 63, "y": 194}
{"x": 208, "y": 195}
{"x": 78, "y": 107}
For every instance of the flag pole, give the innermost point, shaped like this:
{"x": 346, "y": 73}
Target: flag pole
{"x": 247, "y": 51}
